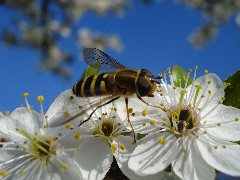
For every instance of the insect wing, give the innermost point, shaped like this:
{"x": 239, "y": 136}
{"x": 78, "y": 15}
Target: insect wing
{"x": 68, "y": 108}
{"x": 100, "y": 60}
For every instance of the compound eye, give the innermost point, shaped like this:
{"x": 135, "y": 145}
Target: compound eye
{"x": 143, "y": 86}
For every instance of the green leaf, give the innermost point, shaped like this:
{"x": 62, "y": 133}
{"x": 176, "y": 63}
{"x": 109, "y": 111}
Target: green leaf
{"x": 89, "y": 71}
{"x": 180, "y": 77}
{"x": 232, "y": 92}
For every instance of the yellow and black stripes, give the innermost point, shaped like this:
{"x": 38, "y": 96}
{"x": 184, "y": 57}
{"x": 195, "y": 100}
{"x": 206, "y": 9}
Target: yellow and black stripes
{"x": 93, "y": 86}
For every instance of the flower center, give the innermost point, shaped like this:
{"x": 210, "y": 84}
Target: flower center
{"x": 185, "y": 120}
{"x": 107, "y": 128}
{"x": 182, "y": 120}
{"x": 41, "y": 147}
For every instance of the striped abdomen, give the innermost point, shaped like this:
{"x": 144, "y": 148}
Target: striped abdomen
{"x": 93, "y": 86}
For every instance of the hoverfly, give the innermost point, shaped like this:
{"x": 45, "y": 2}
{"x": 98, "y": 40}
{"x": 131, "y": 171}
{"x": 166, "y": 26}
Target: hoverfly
{"x": 122, "y": 82}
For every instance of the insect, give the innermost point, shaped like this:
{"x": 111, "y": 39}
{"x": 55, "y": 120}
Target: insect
{"x": 123, "y": 82}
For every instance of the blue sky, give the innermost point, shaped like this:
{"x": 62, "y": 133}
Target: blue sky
{"x": 154, "y": 37}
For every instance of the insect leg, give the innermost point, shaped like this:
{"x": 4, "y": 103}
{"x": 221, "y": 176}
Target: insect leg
{"x": 141, "y": 99}
{"x": 97, "y": 109}
{"x": 126, "y": 102}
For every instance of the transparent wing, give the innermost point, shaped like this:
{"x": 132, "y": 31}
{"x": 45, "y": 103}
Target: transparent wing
{"x": 68, "y": 108}
{"x": 98, "y": 59}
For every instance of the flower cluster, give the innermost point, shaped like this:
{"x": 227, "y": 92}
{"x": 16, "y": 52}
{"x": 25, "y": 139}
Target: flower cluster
{"x": 186, "y": 130}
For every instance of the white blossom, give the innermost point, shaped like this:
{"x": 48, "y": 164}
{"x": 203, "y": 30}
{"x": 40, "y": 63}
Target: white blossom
{"x": 33, "y": 151}
{"x": 192, "y": 131}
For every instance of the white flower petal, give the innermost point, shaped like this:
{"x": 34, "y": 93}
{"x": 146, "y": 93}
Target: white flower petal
{"x": 225, "y": 130}
{"x": 209, "y": 82}
{"x": 122, "y": 156}
{"x": 64, "y": 167}
{"x": 191, "y": 166}
{"x": 67, "y": 106}
{"x": 151, "y": 157}
{"x": 224, "y": 158}
{"x": 26, "y": 119}
{"x": 95, "y": 158}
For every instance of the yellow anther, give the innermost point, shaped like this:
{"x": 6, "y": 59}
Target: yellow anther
{"x": 189, "y": 70}
{"x": 205, "y": 132}
{"x": 5, "y": 113}
{"x": 206, "y": 71}
{"x": 236, "y": 119}
{"x": 144, "y": 124}
{"x": 224, "y": 147}
{"x": 22, "y": 171}
{"x": 64, "y": 166}
{"x": 226, "y": 84}
{"x": 130, "y": 110}
{"x": 45, "y": 126}
{"x": 77, "y": 136}
{"x": 209, "y": 82}
{"x": 68, "y": 126}
{"x": 78, "y": 149}
{"x": 172, "y": 129}
{"x": 209, "y": 92}
{"x": 133, "y": 114}
{"x": 40, "y": 98}
{"x": 152, "y": 122}
{"x": 114, "y": 148}
{"x": 30, "y": 107}
{"x": 4, "y": 173}
{"x": 25, "y": 94}
{"x": 71, "y": 98}
{"x": 196, "y": 67}
{"x": 66, "y": 113}
{"x": 161, "y": 94}
{"x": 46, "y": 117}
{"x": 122, "y": 147}
{"x": 218, "y": 124}
{"x": 215, "y": 147}
{"x": 174, "y": 87}
{"x": 162, "y": 141}
{"x": 196, "y": 136}
{"x": 115, "y": 109}
{"x": 144, "y": 112}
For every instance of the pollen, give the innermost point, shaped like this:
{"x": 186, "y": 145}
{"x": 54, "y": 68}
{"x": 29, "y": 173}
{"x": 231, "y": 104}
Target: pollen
{"x": 40, "y": 98}
{"x": 113, "y": 148}
{"x": 4, "y": 173}
{"x": 209, "y": 82}
{"x": 71, "y": 98}
{"x": 6, "y": 113}
{"x": 172, "y": 129}
{"x": 162, "y": 141}
{"x": 77, "y": 136}
{"x": 68, "y": 126}
{"x": 25, "y": 94}
{"x": 152, "y": 122}
{"x": 122, "y": 146}
{"x": 144, "y": 112}
{"x": 64, "y": 166}
{"x": 130, "y": 110}
{"x": 78, "y": 149}
{"x": 22, "y": 171}
{"x": 66, "y": 113}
